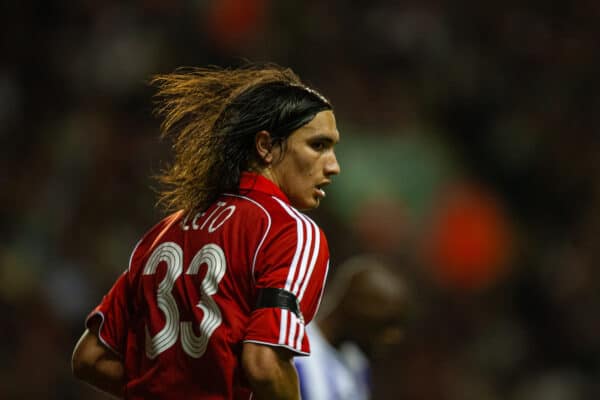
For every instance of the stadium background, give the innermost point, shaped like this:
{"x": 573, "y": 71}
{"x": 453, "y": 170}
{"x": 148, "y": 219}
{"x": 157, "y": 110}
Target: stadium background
{"x": 468, "y": 154}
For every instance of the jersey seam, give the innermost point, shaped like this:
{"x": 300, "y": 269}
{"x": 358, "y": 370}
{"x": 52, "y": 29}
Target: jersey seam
{"x": 266, "y": 230}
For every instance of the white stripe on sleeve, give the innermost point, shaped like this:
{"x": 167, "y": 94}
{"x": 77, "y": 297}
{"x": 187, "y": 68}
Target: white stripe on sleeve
{"x": 313, "y": 259}
{"x": 307, "y": 251}
{"x": 300, "y": 336}
{"x": 293, "y": 325}
{"x": 283, "y": 326}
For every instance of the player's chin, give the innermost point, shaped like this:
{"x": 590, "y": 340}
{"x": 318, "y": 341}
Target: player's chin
{"x": 309, "y": 203}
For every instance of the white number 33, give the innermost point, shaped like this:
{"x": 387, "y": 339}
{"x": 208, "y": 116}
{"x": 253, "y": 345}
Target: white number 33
{"x": 169, "y": 252}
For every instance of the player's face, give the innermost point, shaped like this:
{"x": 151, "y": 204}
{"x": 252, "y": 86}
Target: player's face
{"x": 308, "y": 161}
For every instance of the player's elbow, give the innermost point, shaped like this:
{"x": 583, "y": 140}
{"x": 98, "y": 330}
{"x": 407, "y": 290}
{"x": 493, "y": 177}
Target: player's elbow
{"x": 264, "y": 365}
{"x": 95, "y": 364}
{"x": 81, "y": 366}
{"x": 86, "y": 356}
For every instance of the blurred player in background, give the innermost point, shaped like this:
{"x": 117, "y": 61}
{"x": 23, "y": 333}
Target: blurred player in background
{"x": 215, "y": 299}
{"x": 360, "y": 319}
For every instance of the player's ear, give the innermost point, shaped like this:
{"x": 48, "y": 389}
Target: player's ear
{"x": 264, "y": 146}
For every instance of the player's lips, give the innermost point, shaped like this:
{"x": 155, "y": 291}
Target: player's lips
{"x": 320, "y": 187}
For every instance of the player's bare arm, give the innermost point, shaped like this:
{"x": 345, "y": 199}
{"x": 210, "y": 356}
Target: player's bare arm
{"x": 96, "y": 364}
{"x": 271, "y": 372}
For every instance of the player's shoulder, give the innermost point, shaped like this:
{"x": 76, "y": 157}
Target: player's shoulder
{"x": 247, "y": 206}
{"x": 151, "y": 236}
{"x": 275, "y": 209}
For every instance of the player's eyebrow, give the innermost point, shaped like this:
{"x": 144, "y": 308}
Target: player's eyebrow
{"x": 322, "y": 137}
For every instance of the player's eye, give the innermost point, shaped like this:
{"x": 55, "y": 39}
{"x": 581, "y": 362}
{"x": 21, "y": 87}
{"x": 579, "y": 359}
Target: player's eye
{"x": 317, "y": 146}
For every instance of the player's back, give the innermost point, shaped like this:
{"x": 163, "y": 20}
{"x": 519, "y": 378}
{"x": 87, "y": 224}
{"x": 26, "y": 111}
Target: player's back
{"x": 192, "y": 283}
{"x": 251, "y": 268}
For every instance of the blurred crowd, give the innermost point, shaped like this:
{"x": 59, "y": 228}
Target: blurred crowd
{"x": 468, "y": 157}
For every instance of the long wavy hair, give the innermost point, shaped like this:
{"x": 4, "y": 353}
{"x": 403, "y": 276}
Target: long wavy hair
{"x": 212, "y": 116}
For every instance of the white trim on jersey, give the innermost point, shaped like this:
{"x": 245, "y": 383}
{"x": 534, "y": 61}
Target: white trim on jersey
{"x": 304, "y": 263}
{"x": 104, "y": 342}
{"x": 300, "y": 336}
{"x": 307, "y": 251}
{"x": 313, "y": 260}
{"x": 299, "y": 249}
{"x": 291, "y": 328}
{"x": 132, "y": 253}
{"x": 283, "y": 326}
{"x": 303, "y": 248}
{"x": 266, "y": 230}
{"x": 285, "y": 346}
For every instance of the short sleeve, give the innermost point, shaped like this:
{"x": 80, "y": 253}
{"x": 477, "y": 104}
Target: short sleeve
{"x": 294, "y": 258}
{"x": 114, "y": 314}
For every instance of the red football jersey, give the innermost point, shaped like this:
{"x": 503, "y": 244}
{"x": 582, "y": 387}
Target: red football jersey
{"x": 181, "y": 312}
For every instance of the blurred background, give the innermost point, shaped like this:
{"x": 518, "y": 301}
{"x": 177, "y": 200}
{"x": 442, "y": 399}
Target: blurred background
{"x": 469, "y": 153}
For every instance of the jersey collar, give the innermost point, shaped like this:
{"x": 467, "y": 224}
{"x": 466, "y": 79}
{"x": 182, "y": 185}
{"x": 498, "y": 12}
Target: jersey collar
{"x": 256, "y": 182}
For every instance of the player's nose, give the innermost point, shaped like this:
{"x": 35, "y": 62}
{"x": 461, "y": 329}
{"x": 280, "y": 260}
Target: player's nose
{"x": 332, "y": 167}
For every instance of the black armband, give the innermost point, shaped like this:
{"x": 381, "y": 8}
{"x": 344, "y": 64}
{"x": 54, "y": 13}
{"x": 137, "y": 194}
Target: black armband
{"x": 279, "y": 298}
